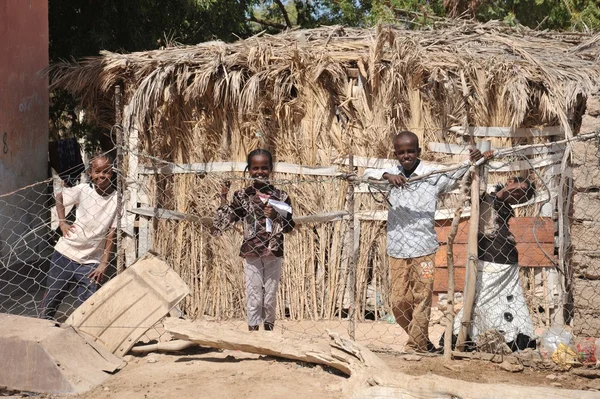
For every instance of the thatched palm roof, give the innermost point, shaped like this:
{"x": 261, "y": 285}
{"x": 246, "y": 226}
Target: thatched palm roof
{"x": 475, "y": 74}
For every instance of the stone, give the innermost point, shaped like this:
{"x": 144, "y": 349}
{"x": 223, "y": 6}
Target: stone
{"x": 585, "y": 235}
{"x": 587, "y": 295}
{"x": 586, "y": 264}
{"x": 586, "y": 323}
{"x": 586, "y": 206}
{"x": 39, "y": 356}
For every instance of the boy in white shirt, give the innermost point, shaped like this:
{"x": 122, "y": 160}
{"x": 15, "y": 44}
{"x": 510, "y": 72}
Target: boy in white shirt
{"x": 82, "y": 254}
{"x": 411, "y": 239}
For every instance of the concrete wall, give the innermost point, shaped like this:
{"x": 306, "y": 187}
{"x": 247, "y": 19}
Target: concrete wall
{"x": 23, "y": 124}
{"x": 585, "y": 231}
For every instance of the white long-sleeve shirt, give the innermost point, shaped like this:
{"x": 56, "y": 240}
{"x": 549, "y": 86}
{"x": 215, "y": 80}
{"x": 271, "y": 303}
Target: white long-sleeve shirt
{"x": 411, "y": 217}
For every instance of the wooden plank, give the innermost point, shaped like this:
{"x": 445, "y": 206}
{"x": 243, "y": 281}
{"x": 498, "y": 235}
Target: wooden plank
{"x": 522, "y": 228}
{"x": 509, "y": 132}
{"x": 217, "y": 167}
{"x": 124, "y": 308}
{"x": 168, "y": 214}
{"x": 501, "y": 167}
{"x": 530, "y": 255}
{"x": 367, "y": 162}
{"x": 494, "y": 166}
{"x": 460, "y": 149}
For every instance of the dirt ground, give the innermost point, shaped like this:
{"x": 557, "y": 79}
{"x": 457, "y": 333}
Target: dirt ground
{"x": 206, "y": 373}
{"x": 209, "y": 373}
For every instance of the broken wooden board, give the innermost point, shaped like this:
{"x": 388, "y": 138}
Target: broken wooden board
{"x": 39, "y": 356}
{"x": 370, "y": 377}
{"x": 122, "y": 310}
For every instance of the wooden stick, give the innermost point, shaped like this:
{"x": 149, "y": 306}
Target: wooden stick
{"x": 119, "y": 140}
{"x": 471, "y": 282}
{"x": 352, "y": 251}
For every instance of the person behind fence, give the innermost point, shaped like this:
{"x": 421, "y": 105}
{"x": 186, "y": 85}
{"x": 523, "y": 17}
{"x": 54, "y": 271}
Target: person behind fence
{"x": 267, "y": 214}
{"x": 499, "y": 304}
{"x": 81, "y": 256}
{"x": 411, "y": 239}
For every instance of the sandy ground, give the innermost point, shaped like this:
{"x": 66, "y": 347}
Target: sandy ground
{"x": 209, "y": 373}
{"x": 205, "y": 373}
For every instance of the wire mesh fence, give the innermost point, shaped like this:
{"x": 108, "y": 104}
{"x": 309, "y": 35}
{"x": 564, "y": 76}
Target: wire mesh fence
{"x": 300, "y": 250}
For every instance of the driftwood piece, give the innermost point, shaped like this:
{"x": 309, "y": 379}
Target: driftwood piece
{"x": 370, "y": 377}
{"x": 171, "y": 346}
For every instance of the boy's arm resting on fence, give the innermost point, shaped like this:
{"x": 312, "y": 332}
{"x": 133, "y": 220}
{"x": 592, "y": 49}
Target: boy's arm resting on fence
{"x": 98, "y": 273}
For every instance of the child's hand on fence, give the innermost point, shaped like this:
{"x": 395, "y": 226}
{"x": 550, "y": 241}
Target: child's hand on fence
{"x": 66, "y": 229}
{"x": 474, "y": 155}
{"x": 395, "y": 180}
{"x": 270, "y": 212}
{"x": 224, "y": 191}
{"x": 98, "y": 274}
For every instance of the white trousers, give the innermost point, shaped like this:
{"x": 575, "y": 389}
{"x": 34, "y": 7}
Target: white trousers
{"x": 262, "y": 280}
{"x": 499, "y": 303}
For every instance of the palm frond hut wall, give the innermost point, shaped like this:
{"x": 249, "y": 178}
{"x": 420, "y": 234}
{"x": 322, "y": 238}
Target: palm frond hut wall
{"x": 315, "y": 97}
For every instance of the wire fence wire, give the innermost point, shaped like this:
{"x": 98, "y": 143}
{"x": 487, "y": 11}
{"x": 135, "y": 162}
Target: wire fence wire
{"x": 304, "y": 253}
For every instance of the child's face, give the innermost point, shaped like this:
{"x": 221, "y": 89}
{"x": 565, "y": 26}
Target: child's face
{"x": 407, "y": 152}
{"x": 101, "y": 173}
{"x": 259, "y": 167}
{"x": 513, "y": 192}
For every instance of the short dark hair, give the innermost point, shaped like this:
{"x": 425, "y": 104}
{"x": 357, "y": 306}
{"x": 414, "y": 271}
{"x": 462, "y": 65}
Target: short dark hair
{"x": 530, "y": 190}
{"x": 406, "y": 133}
{"x": 103, "y": 155}
{"x": 260, "y": 151}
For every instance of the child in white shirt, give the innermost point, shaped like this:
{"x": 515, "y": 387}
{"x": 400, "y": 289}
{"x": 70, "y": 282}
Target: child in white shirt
{"x": 82, "y": 254}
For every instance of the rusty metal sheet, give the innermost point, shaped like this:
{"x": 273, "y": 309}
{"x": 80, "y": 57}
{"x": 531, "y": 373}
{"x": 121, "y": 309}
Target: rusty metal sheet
{"x": 39, "y": 356}
{"x": 122, "y": 310}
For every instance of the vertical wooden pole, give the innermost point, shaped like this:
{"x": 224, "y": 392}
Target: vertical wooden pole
{"x": 118, "y": 138}
{"x": 352, "y": 242}
{"x": 450, "y": 303}
{"x": 472, "y": 260}
{"x": 130, "y": 133}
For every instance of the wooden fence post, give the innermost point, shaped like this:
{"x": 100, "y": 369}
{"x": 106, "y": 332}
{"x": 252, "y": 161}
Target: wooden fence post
{"x": 118, "y": 138}
{"x": 353, "y": 244}
{"x": 478, "y": 181}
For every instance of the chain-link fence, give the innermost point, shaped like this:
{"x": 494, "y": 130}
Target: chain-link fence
{"x": 303, "y": 249}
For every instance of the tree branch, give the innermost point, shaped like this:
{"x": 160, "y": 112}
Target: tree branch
{"x": 284, "y": 12}
{"x": 266, "y": 23}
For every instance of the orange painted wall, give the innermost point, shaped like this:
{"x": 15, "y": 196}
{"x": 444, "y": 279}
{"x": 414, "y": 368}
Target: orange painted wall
{"x": 23, "y": 112}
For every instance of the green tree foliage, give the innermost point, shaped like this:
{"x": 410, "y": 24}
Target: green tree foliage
{"x": 80, "y": 28}
{"x": 537, "y": 14}
{"x": 83, "y": 27}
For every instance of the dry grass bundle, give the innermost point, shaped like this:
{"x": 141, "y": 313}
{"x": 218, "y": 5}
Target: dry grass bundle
{"x": 299, "y": 86}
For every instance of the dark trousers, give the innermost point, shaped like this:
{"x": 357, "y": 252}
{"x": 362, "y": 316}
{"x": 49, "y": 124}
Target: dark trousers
{"x": 62, "y": 272}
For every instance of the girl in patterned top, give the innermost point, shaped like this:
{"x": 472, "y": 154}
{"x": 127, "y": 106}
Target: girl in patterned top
{"x": 261, "y": 208}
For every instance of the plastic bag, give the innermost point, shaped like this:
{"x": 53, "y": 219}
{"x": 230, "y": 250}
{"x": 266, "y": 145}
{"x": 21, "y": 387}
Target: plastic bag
{"x": 552, "y": 338}
{"x": 586, "y": 350}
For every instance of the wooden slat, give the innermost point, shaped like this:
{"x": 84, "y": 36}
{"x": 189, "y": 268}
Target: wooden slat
{"x": 530, "y": 255}
{"x": 461, "y": 149}
{"x": 522, "y": 228}
{"x": 509, "y": 132}
{"x": 215, "y": 167}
